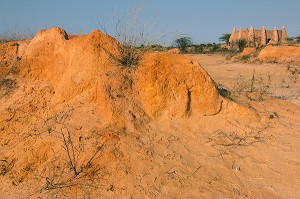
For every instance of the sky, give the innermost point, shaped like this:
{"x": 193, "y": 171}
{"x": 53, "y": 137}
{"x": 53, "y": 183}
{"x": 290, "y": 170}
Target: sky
{"x": 202, "y": 20}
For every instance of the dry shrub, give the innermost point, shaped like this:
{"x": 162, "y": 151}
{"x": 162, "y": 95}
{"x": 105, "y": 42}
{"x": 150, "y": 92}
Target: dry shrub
{"x": 130, "y": 36}
{"x": 73, "y": 166}
{"x": 226, "y": 141}
{"x": 7, "y": 85}
{"x": 5, "y": 166}
{"x": 259, "y": 84}
{"x": 134, "y": 38}
{"x": 15, "y": 35}
{"x": 293, "y": 73}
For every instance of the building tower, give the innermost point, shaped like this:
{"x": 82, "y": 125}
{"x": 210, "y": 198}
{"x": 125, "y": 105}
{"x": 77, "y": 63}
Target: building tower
{"x": 240, "y": 34}
{"x": 283, "y": 35}
{"x": 251, "y": 37}
{"x": 232, "y": 37}
{"x": 275, "y": 37}
{"x": 263, "y": 36}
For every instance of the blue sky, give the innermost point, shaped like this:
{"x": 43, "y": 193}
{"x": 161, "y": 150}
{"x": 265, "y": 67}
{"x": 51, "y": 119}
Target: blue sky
{"x": 202, "y": 20}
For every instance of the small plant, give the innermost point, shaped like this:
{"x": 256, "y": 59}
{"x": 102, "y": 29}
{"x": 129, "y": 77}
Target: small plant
{"x": 259, "y": 84}
{"x": 241, "y": 43}
{"x": 128, "y": 56}
{"x": 257, "y": 51}
{"x": 3, "y": 167}
{"x": 56, "y": 125}
{"x": 293, "y": 73}
{"x": 215, "y": 47}
{"x": 131, "y": 42}
{"x": 72, "y": 161}
{"x": 226, "y": 140}
{"x": 7, "y": 85}
{"x": 231, "y": 53}
{"x": 245, "y": 57}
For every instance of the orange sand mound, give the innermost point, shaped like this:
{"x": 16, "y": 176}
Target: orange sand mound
{"x": 158, "y": 130}
{"x": 162, "y": 82}
{"x": 246, "y": 51}
{"x": 280, "y": 54}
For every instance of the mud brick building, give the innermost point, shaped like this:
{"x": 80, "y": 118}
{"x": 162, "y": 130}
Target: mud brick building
{"x": 257, "y": 38}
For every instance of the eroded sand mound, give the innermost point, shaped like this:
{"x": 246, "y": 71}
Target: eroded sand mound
{"x": 281, "y": 54}
{"x": 81, "y": 125}
{"x": 162, "y": 82}
{"x": 246, "y": 51}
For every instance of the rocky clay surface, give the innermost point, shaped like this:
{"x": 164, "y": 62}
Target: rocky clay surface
{"x": 76, "y": 124}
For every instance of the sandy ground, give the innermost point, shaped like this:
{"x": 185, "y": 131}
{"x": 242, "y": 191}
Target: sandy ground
{"x": 282, "y": 83}
{"x": 276, "y": 162}
{"x": 78, "y": 126}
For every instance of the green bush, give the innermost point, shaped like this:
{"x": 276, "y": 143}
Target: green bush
{"x": 225, "y": 38}
{"x": 245, "y": 57}
{"x": 182, "y": 43}
{"x": 241, "y": 44}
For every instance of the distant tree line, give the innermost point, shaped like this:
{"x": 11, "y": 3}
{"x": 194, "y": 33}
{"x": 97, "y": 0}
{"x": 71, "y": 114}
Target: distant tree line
{"x": 186, "y": 45}
{"x": 293, "y": 39}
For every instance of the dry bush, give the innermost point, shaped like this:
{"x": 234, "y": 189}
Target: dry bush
{"x": 73, "y": 166}
{"x": 288, "y": 89}
{"x": 292, "y": 73}
{"x": 128, "y": 56}
{"x": 134, "y": 38}
{"x": 224, "y": 141}
{"x": 56, "y": 126}
{"x": 258, "y": 84}
{"x": 7, "y": 85}
{"x": 15, "y": 35}
{"x": 6, "y": 166}
{"x": 130, "y": 36}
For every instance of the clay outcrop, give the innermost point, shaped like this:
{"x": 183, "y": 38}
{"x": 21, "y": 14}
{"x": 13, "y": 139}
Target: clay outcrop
{"x": 280, "y": 54}
{"x": 163, "y": 82}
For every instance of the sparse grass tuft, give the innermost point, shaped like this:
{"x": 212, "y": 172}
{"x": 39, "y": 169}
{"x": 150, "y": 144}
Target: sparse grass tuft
{"x": 293, "y": 73}
{"x": 228, "y": 141}
{"x": 7, "y": 85}
{"x": 15, "y": 36}
{"x": 130, "y": 36}
{"x": 6, "y": 166}
{"x": 258, "y": 84}
{"x": 245, "y": 57}
{"x": 128, "y": 56}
